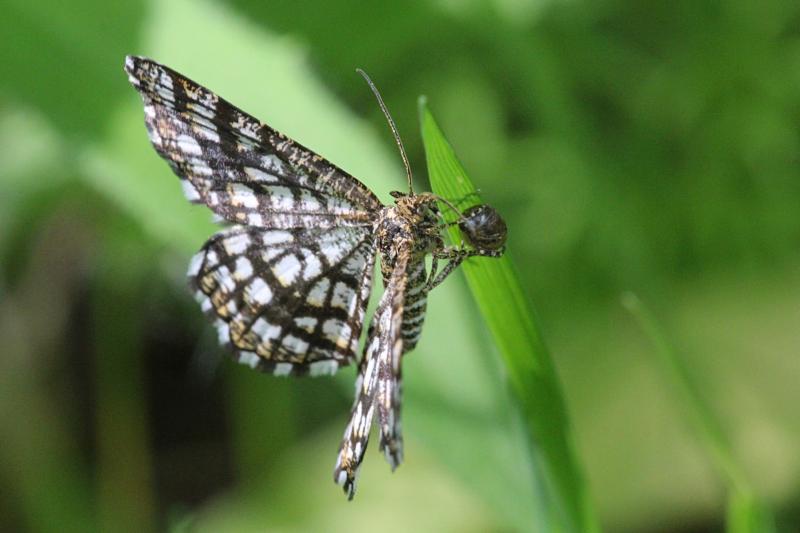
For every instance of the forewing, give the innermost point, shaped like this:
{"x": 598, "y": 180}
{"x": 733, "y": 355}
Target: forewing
{"x": 245, "y": 171}
{"x": 287, "y": 301}
{"x": 377, "y": 386}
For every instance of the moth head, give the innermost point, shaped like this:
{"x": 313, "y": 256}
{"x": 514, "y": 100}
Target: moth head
{"x": 421, "y": 208}
{"x": 483, "y": 227}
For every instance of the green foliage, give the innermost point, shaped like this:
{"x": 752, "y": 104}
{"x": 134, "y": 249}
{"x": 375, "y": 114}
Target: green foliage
{"x": 500, "y": 297}
{"x": 746, "y": 514}
{"x": 63, "y": 59}
{"x": 651, "y": 146}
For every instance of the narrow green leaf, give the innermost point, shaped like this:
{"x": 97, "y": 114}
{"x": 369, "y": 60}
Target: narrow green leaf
{"x": 746, "y": 514}
{"x": 510, "y": 318}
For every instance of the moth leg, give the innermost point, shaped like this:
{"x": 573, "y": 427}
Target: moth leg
{"x": 446, "y": 271}
{"x": 455, "y": 257}
{"x": 440, "y": 251}
{"x": 434, "y": 267}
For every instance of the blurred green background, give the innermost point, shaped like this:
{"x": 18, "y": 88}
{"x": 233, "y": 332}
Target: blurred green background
{"x": 631, "y": 145}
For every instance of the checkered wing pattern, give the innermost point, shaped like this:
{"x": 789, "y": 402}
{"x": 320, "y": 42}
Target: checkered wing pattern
{"x": 287, "y": 301}
{"x": 378, "y": 386}
{"x": 288, "y": 281}
{"x": 245, "y": 171}
{"x": 287, "y": 284}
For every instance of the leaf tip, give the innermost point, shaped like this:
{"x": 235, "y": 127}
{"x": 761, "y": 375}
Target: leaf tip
{"x": 630, "y": 301}
{"x": 422, "y": 107}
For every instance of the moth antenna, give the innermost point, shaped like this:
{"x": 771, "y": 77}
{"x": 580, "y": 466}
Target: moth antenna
{"x": 392, "y": 126}
{"x": 449, "y": 204}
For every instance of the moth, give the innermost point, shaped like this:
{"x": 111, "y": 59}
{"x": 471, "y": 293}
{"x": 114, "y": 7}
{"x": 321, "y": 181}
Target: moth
{"x": 288, "y": 280}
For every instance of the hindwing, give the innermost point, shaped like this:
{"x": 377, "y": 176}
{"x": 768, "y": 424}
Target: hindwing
{"x": 287, "y": 301}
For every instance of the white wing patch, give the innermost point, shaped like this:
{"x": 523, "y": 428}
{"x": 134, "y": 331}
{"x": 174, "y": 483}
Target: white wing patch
{"x": 238, "y": 166}
{"x": 288, "y": 292}
{"x": 275, "y": 294}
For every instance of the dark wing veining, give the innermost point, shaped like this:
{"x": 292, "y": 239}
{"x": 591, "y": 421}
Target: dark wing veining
{"x": 287, "y": 301}
{"x": 245, "y": 171}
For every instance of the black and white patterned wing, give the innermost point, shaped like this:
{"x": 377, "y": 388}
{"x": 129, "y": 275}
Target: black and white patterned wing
{"x": 245, "y": 171}
{"x": 287, "y": 301}
{"x": 378, "y": 385}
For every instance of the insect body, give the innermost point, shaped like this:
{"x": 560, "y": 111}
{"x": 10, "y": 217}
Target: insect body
{"x": 287, "y": 283}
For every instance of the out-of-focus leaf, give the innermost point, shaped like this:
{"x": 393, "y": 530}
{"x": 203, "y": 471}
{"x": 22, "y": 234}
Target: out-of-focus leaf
{"x": 33, "y": 179}
{"x": 125, "y": 482}
{"x": 385, "y": 33}
{"x": 420, "y": 496}
{"x": 529, "y": 369}
{"x": 63, "y": 58}
{"x": 746, "y": 514}
{"x": 44, "y": 472}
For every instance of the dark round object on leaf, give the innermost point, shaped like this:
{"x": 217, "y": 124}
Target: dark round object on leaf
{"x": 483, "y": 227}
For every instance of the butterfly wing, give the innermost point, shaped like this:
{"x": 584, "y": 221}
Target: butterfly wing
{"x": 378, "y": 384}
{"x": 287, "y": 301}
{"x": 245, "y": 171}
{"x": 287, "y": 286}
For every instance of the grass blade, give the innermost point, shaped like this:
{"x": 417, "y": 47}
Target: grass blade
{"x": 745, "y": 513}
{"x": 495, "y": 287}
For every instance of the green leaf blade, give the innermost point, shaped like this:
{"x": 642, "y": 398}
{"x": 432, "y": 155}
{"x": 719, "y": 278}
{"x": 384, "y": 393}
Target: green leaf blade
{"x": 746, "y": 513}
{"x": 495, "y": 286}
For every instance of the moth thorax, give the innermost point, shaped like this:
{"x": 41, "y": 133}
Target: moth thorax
{"x": 483, "y": 227}
{"x": 417, "y": 208}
